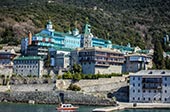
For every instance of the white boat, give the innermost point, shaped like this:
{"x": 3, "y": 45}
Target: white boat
{"x": 66, "y": 108}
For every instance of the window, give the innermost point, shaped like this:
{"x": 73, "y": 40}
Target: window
{"x": 154, "y": 91}
{"x": 144, "y": 91}
{"x": 165, "y": 78}
{"x": 149, "y": 99}
{"x": 133, "y": 98}
{"x": 165, "y": 91}
{"x": 138, "y": 78}
{"x": 138, "y": 98}
{"x": 149, "y": 91}
{"x": 165, "y": 99}
{"x": 138, "y": 85}
{"x": 133, "y": 78}
{"x": 154, "y": 99}
{"x": 133, "y": 91}
{"x": 138, "y": 91}
{"x": 133, "y": 85}
{"x": 143, "y": 98}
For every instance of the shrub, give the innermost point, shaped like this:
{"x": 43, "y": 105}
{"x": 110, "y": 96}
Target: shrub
{"x": 46, "y": 76}
{"x": 74, "y": 87}
{"x": 29, "y": 76}
{"x": 76, "y": 77}
{"x": 14, "y": 75}
{"x": 67, "y": 75}
{"x": 59, "y": 77}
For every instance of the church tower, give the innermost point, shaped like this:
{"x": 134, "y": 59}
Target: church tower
{"x": 49, "y": 26}
{"x": 86, "y": 37}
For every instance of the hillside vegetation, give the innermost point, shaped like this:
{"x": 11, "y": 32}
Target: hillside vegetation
{"x": 122, "y": 21}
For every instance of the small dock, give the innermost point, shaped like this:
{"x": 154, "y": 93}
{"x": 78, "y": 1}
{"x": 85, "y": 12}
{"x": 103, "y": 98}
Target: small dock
{"x": 108, "y": 109}
{"x": 132, "y": 106}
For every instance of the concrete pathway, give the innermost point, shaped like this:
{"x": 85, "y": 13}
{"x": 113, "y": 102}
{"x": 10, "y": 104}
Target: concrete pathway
{"x": 132, "y": 106}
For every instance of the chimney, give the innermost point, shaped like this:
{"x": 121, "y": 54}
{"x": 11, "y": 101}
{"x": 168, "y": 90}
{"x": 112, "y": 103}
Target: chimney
{"x": 29, "y": 38}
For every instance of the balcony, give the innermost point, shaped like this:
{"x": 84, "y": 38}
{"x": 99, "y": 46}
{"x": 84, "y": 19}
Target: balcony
{"x": 151, "y": 86}
{"x": 152, "y": 80}
{"x": 102, "y": 65}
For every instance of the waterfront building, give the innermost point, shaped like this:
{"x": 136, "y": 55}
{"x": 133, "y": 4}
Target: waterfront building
{"x": 137, "y": 62}
{"x": 150, "y": 86}
{"x": 28, "y": 65}
{"x": 96, "y": 60}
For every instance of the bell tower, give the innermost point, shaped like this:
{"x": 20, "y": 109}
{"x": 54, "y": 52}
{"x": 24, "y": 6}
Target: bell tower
{"x": 49, "y": 26}
{"x": 86, "y": 37}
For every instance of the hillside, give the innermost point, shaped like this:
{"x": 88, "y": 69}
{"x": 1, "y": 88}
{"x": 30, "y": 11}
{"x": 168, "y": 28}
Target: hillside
{"x": 121, "y": 21}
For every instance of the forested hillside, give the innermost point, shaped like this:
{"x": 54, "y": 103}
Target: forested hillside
{"x": 122, "y": 21}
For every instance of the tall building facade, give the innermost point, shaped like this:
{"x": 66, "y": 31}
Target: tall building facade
{"x": 96, "y": 60}
{"x": 29, "y": 65}
{"x": 137, "y": 62}
{"x": 150, "y": 86}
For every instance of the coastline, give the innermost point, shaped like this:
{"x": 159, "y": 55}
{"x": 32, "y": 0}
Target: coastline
{"x": 123, "y": 106}
{"x": 52, "y": 97}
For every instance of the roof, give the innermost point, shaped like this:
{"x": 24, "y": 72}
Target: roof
{"x": 143, "y": 51}
{"x": 28, "y": 58}
{"x": 152, "y": 73}
{"x": 7, "y": 51}
{"x": 137, "y": 54}
{"x": 122, "y": 47}
{"x": 99, "y": 49}
{"x": 62, "y": 49}
{"x": 167, "y": 53}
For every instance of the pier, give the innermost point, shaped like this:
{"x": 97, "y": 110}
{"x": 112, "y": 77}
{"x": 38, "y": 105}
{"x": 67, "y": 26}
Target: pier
{"x": 122, "y": 106}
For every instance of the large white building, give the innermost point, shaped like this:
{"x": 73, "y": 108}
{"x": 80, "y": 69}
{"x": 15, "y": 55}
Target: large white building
{"x": 150, "y": 86}
{"x": 28, "y": 65}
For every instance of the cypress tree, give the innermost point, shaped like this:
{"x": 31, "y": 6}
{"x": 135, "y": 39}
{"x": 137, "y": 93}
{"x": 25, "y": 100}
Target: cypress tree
{"x": 158, "y": 58}
{"x": 167, "y": 63}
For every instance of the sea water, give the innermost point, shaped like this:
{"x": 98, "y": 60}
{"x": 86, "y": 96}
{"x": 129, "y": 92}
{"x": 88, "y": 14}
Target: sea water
{"x": 11, "y": 107}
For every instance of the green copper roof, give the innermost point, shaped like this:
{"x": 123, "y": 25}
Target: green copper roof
{"x": 86, "y": 29}
{"x": 63, "y": 49}
{"x": 49, "y": 22}
{"x": 123, "y": 48}
{"x": 143, "y": 51}
{"x": 167, "y": 52}
{"x": 28, "y": 58}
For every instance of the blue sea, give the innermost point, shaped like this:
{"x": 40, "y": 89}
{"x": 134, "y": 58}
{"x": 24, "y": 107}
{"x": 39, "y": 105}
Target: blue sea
{"x": 11, "y": 107}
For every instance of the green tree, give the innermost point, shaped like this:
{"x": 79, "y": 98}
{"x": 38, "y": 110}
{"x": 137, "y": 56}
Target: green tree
{"x": 167, "y": 63}
{"x": 77, "y": 77}
{"x": 47, "y": 61}
{"x": 158, "y": 58}
{"x": 77, "y": 68}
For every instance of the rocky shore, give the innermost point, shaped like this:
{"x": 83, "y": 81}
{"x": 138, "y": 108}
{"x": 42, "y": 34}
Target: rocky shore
{"x": 52, "y": 97}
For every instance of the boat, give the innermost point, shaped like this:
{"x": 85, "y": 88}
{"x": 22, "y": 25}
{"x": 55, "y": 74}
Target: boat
{"x": 66, "y": 107}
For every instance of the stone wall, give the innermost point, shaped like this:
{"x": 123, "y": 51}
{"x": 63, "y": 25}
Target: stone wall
{"x": 33, "y": 87}
{"x": 52, "y": 97}
{"x": 102, "y": 84}
{"x": 6, "y": 71}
